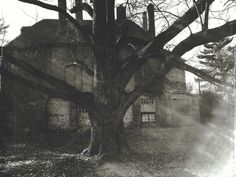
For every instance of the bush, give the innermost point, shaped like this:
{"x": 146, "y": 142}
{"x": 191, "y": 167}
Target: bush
{"x": 208, "y": 102}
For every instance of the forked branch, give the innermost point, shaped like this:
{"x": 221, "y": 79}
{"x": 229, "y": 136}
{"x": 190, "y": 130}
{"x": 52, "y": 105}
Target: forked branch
{"x": 155, "y": 46}
{"x": 180, "y": 24}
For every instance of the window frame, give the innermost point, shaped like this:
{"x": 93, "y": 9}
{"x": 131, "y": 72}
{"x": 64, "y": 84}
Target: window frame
{"x": 148, "y": 117}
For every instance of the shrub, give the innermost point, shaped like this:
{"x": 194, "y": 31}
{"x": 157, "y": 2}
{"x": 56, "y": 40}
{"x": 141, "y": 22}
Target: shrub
{"x": 208, "y": 102}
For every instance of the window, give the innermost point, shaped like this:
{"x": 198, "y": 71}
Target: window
{"x": 148, "y": 117}
{"x": 148, "y": 101}
{"x": 145, "y": 118}
{"x": 82, "y": 109}
{"x": 85, "y": 51}
{"x": 178, "y": 96}
{"x": 152, "y": 118}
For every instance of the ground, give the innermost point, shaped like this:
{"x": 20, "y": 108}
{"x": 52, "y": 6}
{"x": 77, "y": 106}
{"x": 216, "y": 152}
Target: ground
{"x": 194, "y": 151}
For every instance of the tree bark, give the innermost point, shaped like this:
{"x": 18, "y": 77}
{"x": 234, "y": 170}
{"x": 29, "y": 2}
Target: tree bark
{"x": 107, "y": 136}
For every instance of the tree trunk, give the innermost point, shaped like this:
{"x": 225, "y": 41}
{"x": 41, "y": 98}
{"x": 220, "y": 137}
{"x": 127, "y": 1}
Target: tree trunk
{"x": 107, "y": 137}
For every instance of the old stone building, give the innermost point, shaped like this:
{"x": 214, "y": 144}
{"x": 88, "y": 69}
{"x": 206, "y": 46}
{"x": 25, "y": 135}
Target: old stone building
{"x": 173, "y": 106}
{"x": 55, "y": 47}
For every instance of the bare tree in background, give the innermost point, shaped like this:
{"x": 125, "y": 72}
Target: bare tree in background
{"x": 109, "y": 103}
{"x": 3, "y": 30}
{"x": 3, "y": 124}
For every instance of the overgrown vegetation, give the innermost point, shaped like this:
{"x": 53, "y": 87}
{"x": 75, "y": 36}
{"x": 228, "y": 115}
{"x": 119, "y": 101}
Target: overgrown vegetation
{"x": 207, "y": 104}
{"x": 218, "y": 60}
{"x": 153, "y": 152}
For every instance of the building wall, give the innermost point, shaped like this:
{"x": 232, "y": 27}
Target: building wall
{"x": 176, "y": 75}
{"x": 171, "y": 111}
{"x": 173, "y": 107}
{"x": 60, "y": 62}
{"x": 33, "y": 110}
{"x": 181, "y": 109}
{"x": 61, "y": 114}
{"x": 27, "y": 111}
{"x": 27, "y": 105}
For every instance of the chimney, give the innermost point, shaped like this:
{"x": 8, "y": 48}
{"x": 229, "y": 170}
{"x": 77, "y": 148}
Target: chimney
{"x": 151, "y": 28}
{"x": 121, "y": 13}
{"x": 62, "y": 5}
{"x": 145, "y": 21}
{"x": 79, "y": 13}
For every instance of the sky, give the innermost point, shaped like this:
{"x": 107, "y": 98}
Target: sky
{"x": 17, "y": 14}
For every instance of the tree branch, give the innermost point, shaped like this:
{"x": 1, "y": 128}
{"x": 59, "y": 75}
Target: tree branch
{"x": 139, "y": 90}
{"x": 206, "y": 17}
{"x": 196, "y": 39}
{"x": 180, "y": 24}
{"x": 77, "y": 62}
{"x": 80, "y": 27}
{"x": 170, "y": 62}
{"x": 155, "y": 47}
{"x": 57, "y": 83}
{"x": 156, "y": 79}
{"x": 181, "y": 65}
{"x": 135, "y": 62}
{"x": 203, "y": 37}
{"x": 36, "y": 72}
{"x": 83, "y": 6}
{"x": 37, "y": 87}
{"x": 173, "y": 60}
{"x": 199, "y": 15}
{"x": 122, "y": 37}
{"x": 46, "y": 45}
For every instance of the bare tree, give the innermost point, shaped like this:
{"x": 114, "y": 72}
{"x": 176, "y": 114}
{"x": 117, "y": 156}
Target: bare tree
{"x": 3, "y": 30}
{"x": 109, "y": 102}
